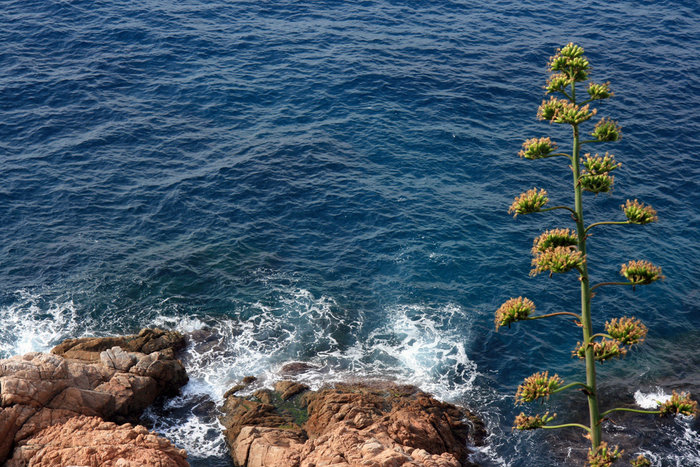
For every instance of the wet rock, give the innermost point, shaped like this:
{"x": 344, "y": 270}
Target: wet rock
{"x": 380, "y": 424}
{"x": 296, "y": 368}
{"x": 84, "y": 378}
{"x": 146, "y": 341}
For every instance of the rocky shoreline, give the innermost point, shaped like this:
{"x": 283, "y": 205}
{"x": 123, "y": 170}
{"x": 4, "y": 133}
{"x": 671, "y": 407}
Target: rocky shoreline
{"x": 81, "y": 404}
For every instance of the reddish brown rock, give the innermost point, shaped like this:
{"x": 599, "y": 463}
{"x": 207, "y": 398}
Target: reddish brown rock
{"x": 90, "y": 441}
{"x": 380, "y": 425}
{"x": 38, "y": 391}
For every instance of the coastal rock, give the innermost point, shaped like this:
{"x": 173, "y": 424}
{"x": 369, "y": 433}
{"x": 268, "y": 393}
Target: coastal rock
{"x": 84, "y": 377}
{"x": 381, "y": 425}
{"x": 90, "y": 441}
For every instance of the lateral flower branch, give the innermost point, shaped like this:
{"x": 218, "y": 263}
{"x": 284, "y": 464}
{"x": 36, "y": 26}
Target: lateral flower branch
{"x": 563, "y": 250}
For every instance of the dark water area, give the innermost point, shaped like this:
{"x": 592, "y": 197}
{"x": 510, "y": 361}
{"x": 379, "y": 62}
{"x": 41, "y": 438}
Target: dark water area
{"x": 328, "y": 182}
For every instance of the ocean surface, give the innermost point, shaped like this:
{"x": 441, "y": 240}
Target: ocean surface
{"x": 328, "y": 182}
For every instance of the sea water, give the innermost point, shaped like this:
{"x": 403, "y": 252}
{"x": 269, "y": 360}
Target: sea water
{"x": 327, "y": 182}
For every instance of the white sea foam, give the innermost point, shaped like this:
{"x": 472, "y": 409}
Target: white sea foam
{"x": 35, "y": 324}
{"x": 414, "y": 344}
{"x": 650, "y": 400}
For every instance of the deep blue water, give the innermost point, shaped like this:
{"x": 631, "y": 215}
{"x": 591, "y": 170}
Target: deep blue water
{"x": 328, "y": 182}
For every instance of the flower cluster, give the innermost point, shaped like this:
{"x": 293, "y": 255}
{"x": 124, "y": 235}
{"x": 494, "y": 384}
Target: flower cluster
{"x": 570, "y": 61}
{"x": 561, "y": 111}
{"x": 607, "y": 131}
{"x": 599, "y": 91}
{"x": 529, "y": 422}
{"x": 537, "y": 148}
{"x": 605, "y": 349}
{"x": 628, "y": 331}
{"x": 530, "y": 201}
{"x": 603, "y": 456}
{"x": 597, "y": 165}
{"x": 536, "y": 386}
{"x": 601, "y": 183}
{"x": 554, "y": 238}
{"x": 559, "y": 259}
{"x": 641, "y": 272}
{"x": 515, "y": 309}
{"x": 679, "y": 404}
{"x": 557, "y": 83}
{"x": 638, "y": 213}
{"x": 640, "y": 461}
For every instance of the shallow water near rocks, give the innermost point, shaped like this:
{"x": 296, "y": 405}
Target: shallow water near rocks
{"x": 327, "y": 182}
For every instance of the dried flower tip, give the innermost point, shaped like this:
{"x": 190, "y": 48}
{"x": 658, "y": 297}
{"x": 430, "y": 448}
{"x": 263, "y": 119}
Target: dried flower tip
{"x": 599, "y": 91}
{"x": 536, "y": 386}
{"x": 515, "y": 309}
{"x": 641, "y": 272}
{"x": 530, "y": 201}
{"x": 529, "y": 422}
{"x": 602, "y": 183}
{"x": 603, "y": 350}
{"x": 557, "y": 83}
{"x": 598, "y": 165}
{"x": 641, "y": 461}
{"x": 603, "y": 456}
{"x": 554, "y": 238}
{"x": 638, "y": 213}
{"x": 537, "y": 148}
{"x": 628, "y": 331}
{"x": 570, "y": 61}
{"x": 679, "y": 404}
{"x": 607, "y": 130}
{"x": 560, "y": 259}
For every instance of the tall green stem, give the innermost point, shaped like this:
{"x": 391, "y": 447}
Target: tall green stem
{"x": 586, "y": 321}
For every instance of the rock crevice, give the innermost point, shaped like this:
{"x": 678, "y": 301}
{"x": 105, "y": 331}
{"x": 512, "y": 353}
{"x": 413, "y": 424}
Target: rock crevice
{"x": 64, "y": 408}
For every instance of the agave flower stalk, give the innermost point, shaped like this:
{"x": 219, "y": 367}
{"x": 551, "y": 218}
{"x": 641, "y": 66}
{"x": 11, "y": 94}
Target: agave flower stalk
{"x": 564, "y": 250}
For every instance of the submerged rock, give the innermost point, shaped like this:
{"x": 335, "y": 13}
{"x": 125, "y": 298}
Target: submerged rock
{"x": 379, "y": 424}
{"x": 53, "y": 402}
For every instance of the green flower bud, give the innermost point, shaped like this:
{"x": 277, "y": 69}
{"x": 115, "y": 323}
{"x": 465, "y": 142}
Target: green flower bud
{"x": 529, "y": 422}
{"x": 641, "y": 461}
{"x": 597, "y": 165}
{"x": 679, "y": 404}
{"x": 603, "y": 456}
{"x": 528, "y": 202}
{"x": 559, "y": 259}
{"x": 601, "y": 183}
{"x": 599, "y": 91}
{"x": 536, "y": 148}
{"x": 607, "y": 131}
{"x": 549, "y": 109}
{"x": 603, "y": 350}
{"x": 641, "y": 272}
{"x": 628, "y": 331}
{"x": 557, "y": 83}
{"x": 569, "y": 60}
{"x": 515, "y": 309}
{"x": 537, "y": 386}
{"x": 554, "y": 238}
{"x": 638, "y": 213}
